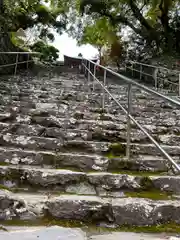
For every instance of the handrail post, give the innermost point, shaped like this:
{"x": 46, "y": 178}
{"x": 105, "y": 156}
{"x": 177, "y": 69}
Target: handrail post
{"x": 128, "y": 147}
{"x": 88, "y": 72}
{"x": 85, "y": 70}
{"x": 27, "y": 61}
{"x": 132, "y": 69}
{"x": 94, "y": 77}
{"x": 140, "y": 71}
{"x": 155, "y": 78}
{"x": 179, "y": 84}
{"x": 103, "y": 96}
{"x": 15, "y": 70}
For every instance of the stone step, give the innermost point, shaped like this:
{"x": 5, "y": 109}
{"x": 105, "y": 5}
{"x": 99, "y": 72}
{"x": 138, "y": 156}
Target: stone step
{"x": 82, "y": 161}
{"x": 95, "y": 133}
{"x": 56, "y": 107}
{"x": 88, "y": 111}
{"x": 47, "y": 232}
{"x": 45, "y": 92}
{"x": 125, "y": 211}
{"x": 140, "y": 95}
{"x": 96, "y": 183}
{"x": 84, "y": 119}
{"x": 61, "y": 145}
{"x": 106, "y": 122}
{"x": 71, "y": 99}
{"x": 145, "y": 104}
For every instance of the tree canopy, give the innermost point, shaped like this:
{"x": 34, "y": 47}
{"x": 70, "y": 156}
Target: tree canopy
{"x": 156, "y": 22}
{"x": 153, "y": 25}
{"x": 26, "y": 14}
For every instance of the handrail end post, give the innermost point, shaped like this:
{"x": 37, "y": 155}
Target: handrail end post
{"x": 15, "y": 70}
{"x": 27, "y": 61}
{"x": 94, "y": 78}
{"x": 104, "y": 83}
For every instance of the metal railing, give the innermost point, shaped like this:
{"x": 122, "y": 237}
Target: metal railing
{"x": 159, "y": 81}
{"x": 17, "y": 59}
{"x": 86, "y": 64}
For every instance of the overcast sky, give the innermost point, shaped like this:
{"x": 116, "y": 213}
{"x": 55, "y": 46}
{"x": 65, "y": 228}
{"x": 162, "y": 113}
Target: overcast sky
{"x": 68, "y": 46}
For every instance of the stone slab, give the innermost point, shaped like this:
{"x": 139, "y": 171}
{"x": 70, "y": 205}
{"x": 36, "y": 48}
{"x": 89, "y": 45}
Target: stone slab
{"x": 54, "y": 233}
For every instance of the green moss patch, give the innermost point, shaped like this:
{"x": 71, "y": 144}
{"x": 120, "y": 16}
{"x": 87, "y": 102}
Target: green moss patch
{"x": 99, "y": 110}
{"x": 90, "y": 227}
{"x": 154, "y": 195}
{"x": 116, "y": 150}
{"x": 146, "y": 183}
{"x": 2, "y": 187}
{"x": 3, "y": 229}
{"x": 137, "y": 173}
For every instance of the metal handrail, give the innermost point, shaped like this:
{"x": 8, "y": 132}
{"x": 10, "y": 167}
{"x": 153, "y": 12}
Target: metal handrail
{"x": 20, "y": 53}
{"x": 17, "y": 62}
{"x": 130, "y": 118}
{"x": 154, "y": 66}
{"x": 155, "y": 75}
{"x": 12, "y": 64}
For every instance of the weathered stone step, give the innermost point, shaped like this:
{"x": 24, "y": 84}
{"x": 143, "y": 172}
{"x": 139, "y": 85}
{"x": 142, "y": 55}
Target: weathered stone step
{"x": 130, "y": 211}
{"x": 57, "y": 107}
{"x": 136, "y": 95}
{"x": 54, "y": 93}
{"x": 100, "y": 183}
{"x": 46, "y": 233}
{"x": 93, "y": 134}
{"x": 78, "y": 111}
{"x": 106, "y": 122}
{"x": 73, "y": 94}
{"x": 106, "y": 147}
{"x": 82, "y": 162}
{"x": 61, "y": 145}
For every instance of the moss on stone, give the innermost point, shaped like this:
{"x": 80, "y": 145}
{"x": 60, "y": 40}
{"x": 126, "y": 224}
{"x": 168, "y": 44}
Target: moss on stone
{"x": 121, "y": 164}
{"x": 2, "y": 187}
{"x": 99, "y": 110}
{"x": 135, "y": 173}
{"x": 49, "y": 159}
{"x": 116, "y": 149}
{"x": 154, "y": 195}
{"x": 3, "y": 229}
{"x": 13, "y": 174}
{"x": 146, "y": 183}
{"x": 78, "y": 115}
{"x": 170, "y": 227}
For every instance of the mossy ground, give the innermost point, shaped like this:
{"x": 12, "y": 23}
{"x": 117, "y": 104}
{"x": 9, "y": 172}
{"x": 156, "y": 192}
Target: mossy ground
{"x": 94, "y": 227}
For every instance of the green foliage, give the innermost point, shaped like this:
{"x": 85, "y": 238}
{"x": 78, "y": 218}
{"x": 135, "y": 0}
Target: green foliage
{"x": 30, "y": 13}
{"x": 156, "y": 22}
{"x": 96, "y": 34}
{"x": 48, "y": 52}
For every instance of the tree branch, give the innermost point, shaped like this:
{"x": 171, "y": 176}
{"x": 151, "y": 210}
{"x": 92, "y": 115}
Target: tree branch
{"x": 123, "y": 20}
{"x": 138, "y": 15}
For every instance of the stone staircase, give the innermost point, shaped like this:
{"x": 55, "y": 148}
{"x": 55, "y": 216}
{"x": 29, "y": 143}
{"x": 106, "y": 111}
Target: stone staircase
{"x": 63, "y": 157}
